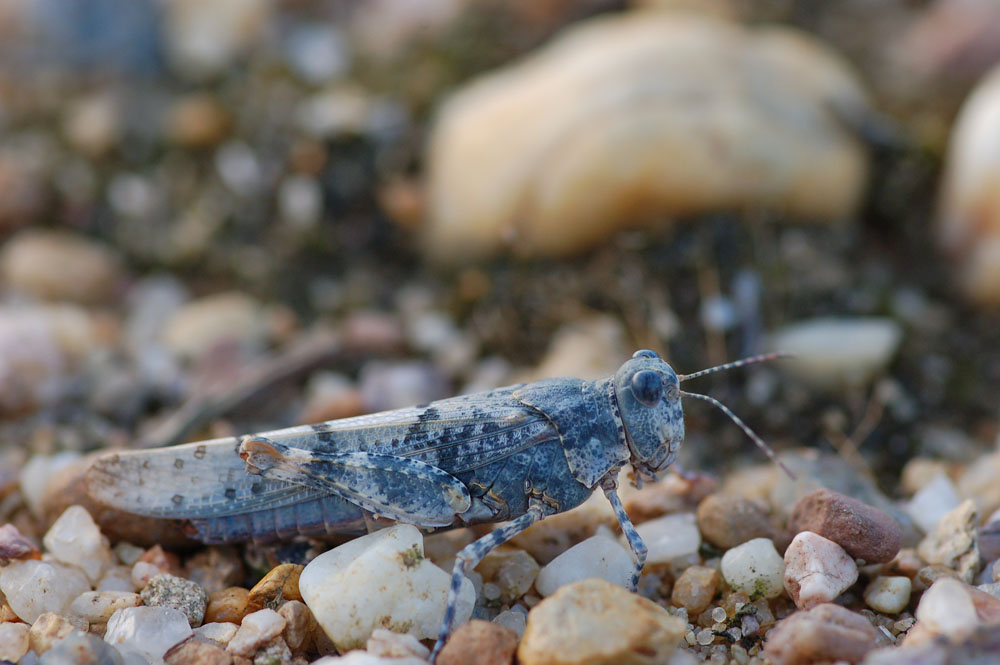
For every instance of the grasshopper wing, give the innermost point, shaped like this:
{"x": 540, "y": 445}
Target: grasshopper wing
{"x": 400, "y": 488}
{"x": 190, "y": 481}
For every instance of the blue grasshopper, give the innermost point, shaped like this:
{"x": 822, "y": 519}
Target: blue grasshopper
{"x": 514, "y": 455}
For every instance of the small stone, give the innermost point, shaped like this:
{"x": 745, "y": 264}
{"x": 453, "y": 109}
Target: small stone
{"x": 670, "y": 538}
{"x": 215, "y": 568}
{"x": 594, "y": 621}
{"x": 207, "y": 323}
{"x": 98, "y": 606}
{"x": 14, "y": 546}
{"x": 35, "y": 587}
{"x": 863, "y": 531}
{"x": 197, "y": 120}
{"x": 839, "y": 353}
{"x": 300, "y": 624}
{"x": 219, "y": 632}
{"x": 228, "y": 605}
{"x": 479, "y": 643}
{"x": 13, "y": 641}
{"x": 952, "y": 543}
{"x": 889, "y": 595}
{"x": 388, "y": 644}
{"x": 80, "y": 648}
{"x": 817, "y": 570}
{"x": 257, "y": 628}
{"x": 927, "y": 575}
{"x": 549, "y": 538}
{"x": 197, "y": 652}
{"x": 279, "y": 585}
{"x": 932, "y": 502}
{"x": 515, "y": 575}
{"x": 147, "y": 630}
{"x": 116, "y": 578}
{"x": 365, "y": 658}
{"x": 142, "y": 572}
{"x": 823, "y": 633}
{"x": 273, "y": 652}
{"x": 598, "y": 556}
{"x": 40, "y": 469}
{"x": 512, "y": 620}
{"x": 88, "y": 272}
{"x": 695, "y": 589}
{"x": 380, "y": 580}
{"x": 948, "y": 609}
{"x": 167, "y": 590}
{"x": 49, "y": 628}
{"x": 726, "y": 520}
{"x": 755, "y": 568}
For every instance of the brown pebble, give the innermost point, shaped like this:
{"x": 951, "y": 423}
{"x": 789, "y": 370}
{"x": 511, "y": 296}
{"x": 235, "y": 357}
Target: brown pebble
{"x": 48, "y": 628}
{"x": 928, "y": 575}
{"x": 824, "y": 633}
{"x": 281, "y": 584}
{"x": 6, "y": 613}
{"x": 300, "y": 624}
{"x": 228, "y": 605}
{"x": 695, "y": 589}
{"x": 197, "y": 652}
{"x": 863, "y": 531}
{"x": 479, "y": 643}
{"x": 726, "y": 520}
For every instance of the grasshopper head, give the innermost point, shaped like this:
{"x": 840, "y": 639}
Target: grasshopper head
{"x": 649, "y": 400}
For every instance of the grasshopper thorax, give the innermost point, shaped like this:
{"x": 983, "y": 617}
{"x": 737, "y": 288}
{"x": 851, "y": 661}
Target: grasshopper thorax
{"x": 649, "y": 401}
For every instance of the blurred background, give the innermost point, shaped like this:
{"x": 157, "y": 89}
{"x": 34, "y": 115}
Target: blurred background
{"x": 221, "y": 217}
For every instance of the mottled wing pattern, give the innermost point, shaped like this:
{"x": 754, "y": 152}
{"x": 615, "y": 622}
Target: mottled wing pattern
{"x": 209, "y": 479}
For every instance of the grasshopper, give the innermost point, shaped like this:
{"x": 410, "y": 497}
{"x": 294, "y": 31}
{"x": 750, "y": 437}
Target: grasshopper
{"x": 514, "y": 455}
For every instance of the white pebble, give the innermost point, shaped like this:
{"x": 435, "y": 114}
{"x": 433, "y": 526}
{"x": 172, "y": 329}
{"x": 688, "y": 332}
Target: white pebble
{"x": 669, "y": 538}
{"x": 13, "y": 641}
{"x": 932, "y": 502}
{"x": 388, "y": 644}
{"x": 598, "y": 556}
{"x": 817, "y": 570}
{"x": 35, "y": 587}
{"x": 947, "y": 609}
{"x": 380, "y": 580}
{"x": 256, "y": 629}
{"x": 116, "y": 578}
{"x": 754, "y": 568}
{"x": 889, "y": 595}
{"x": 36, "y": 474}
{"x": 365, "y": 658}
{"x": 76, "y": 540}
{"x": 98, "y": 606}
{"x": 833, "y": 353}
{"x": 142, "y": 572}
{"x": 150, "y": 631}
{"x": 219, "y": 631}
{"x": 516, "y": 621}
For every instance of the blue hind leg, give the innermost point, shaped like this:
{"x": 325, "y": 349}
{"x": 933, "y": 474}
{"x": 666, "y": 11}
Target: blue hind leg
{"x": 473, "y": 553}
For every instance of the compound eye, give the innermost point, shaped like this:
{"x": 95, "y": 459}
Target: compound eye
{"x": 645, "y": 353}
{"x": 647, "y": 387}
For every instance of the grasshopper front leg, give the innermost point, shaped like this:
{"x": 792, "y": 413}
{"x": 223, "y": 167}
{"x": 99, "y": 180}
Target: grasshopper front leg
{"x": 610, "y": 486}
{"x": 470, "y": 556}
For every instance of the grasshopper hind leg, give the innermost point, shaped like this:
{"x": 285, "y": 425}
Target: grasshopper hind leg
{"x": 470, "y": 556}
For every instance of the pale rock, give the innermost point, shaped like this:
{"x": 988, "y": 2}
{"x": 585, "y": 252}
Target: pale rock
{"x": 76, "y": 540}
{"x": 598, "y": 556}
{"x": 41, "y": 346}
{"x": 512, "y": 619}
{"x": 889, "y": 595}
{"x": 340, "y": 109}
{"x": 952, "y": 543}
{"x": 255, "y": 630}
{"x": 594, "y": 621}
{"x": 825, "y": 633}
{"x": 92, "y": 123}
{"x": 839, "y": 353}
{"x": 817, "y": 570}
{"x": 142, "y": 572}
{"x": 946, "y": 608}
{"x": 755, "y": 568}
{"x": 300, "y": 202}
{"x": 166, "y": 590}
{"x": 364, "y": 658}
{"x": 98, "y": 606}
{"x": 590, "y": 348}
{"x": 552, "y": 536}
{"x": 13, "y": 640}
{"x": 689, "y": 109}
{"x": 669, "y": 538}
{"x": 35, "y": 587}
{"x": 79, "y": 648}
{"x": 203, "y": 39}
{"x": 150, "y": 631}
{"x": 116, "y": 578}
{"x": 513, "y": 571}
{"x": 219, "y": 631}
{"x": 380, "y": 580}
{"x": 88, "y": 272}
{"x": 38, "y": 471}
{"x": 201, "y": 325}
{"x": 970, "y": 210}
{"x": 932, "y": 502}
{"x": 388, "y": 644}
{"x": 979, "y": 482}
{"x": 49, "y": 628}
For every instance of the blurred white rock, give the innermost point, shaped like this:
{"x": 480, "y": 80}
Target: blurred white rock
{"x": 970, "y": 202}
{"x": 838, "y": 353}
{"x": 204, "y": 38}
{"x": 74, "y": 539}
{"x": 636, "y": 117}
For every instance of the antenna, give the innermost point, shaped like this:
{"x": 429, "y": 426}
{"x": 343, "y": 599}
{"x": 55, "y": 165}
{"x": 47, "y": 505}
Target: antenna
{"x": 767, "y": 357}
